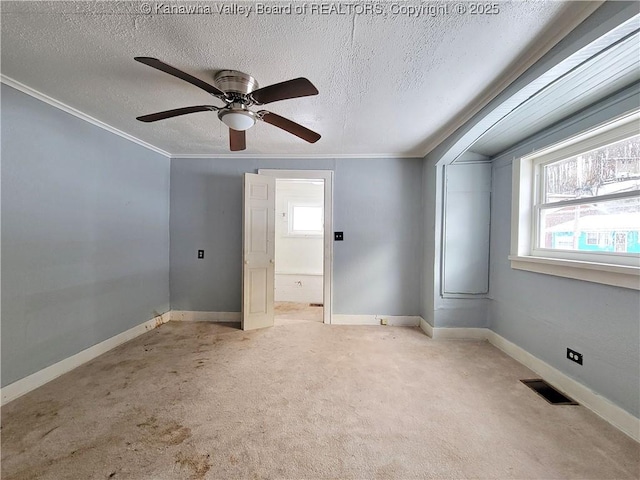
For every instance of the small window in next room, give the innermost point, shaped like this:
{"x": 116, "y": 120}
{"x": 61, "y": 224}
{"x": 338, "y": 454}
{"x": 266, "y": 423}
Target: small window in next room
{"x": 305, "y": 220}
{"x": 577, "y": 207}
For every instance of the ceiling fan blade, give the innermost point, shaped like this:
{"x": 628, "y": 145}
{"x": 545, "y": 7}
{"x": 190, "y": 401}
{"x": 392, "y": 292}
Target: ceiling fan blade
{"x": 155, "y": 63}
{"x": 237, "y": 140}
{"x": 298, "y": 87}
{"x": 154, "y": 117}
{"x": 289, "y": 126}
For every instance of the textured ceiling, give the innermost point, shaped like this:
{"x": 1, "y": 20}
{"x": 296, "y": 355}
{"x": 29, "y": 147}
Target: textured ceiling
{"x": 389, "y": 83}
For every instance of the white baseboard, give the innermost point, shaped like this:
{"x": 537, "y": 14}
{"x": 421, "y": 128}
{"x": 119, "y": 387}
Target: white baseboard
{"x": 392, "y": 320}
{"x": 190, "y": 316}
{"x": 613, "y": 414}
{"x": 616, "y": 416}
{"x": 426, "y": 327}
{"x": 442, "y": 333}
{"x": 602, "y": 407}
{"x": 39, "y": 378}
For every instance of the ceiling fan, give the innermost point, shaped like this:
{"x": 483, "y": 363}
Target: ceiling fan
{"x": 239, "y": 91}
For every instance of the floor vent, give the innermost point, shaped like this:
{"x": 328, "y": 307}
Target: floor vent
{"x": 549, "y": 393}
{"x": 315, "y": 305}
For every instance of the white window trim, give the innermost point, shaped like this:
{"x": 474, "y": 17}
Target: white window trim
{"x": 582, "y": 267}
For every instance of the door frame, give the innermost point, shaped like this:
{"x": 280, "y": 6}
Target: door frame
{"x": 327, "y": 271}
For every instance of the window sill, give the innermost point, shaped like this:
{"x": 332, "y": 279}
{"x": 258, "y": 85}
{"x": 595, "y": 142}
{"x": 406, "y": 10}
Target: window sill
{"x": 605, "y": 273}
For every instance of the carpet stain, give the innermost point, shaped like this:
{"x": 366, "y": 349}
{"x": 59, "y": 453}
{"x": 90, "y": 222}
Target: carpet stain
{"x": 174, "y": 434}
{"x": 149, "y": 422}
{"x": 43, "y": 420}
{"x": 49, "y": 431}
{"x": 352, "y": 409}
{"x": 44, "y": 465}
{"x": 198, "y": 464}
{"x": 134, "y": 365}
{"x": 47, "y": 409}
{"x": 167, "y": 433}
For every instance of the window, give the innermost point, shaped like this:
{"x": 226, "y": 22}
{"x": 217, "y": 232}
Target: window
{"x": 305, "y": 219}
{"x": 577, "y": 206}
{"x": 586, "y": 200}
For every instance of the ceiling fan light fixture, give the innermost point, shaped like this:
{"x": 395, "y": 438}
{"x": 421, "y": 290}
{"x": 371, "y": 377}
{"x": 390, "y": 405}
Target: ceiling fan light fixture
{"x": 239, "y": 120}
{"x": 239, "y": 91}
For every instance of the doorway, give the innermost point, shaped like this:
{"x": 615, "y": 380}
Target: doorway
{"x": 299, "y": 235}
{"x": 304, "y": 250}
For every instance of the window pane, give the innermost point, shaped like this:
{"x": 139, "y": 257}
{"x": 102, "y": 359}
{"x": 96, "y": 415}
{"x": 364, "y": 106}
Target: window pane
{"x": 307, "y": 219}
{"x": 611, "y": 226}
{"x": 610, "y": 169}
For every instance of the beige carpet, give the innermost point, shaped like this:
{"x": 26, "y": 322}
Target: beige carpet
{"x": 292, "y": 312}
{"x": 303, "y": 401}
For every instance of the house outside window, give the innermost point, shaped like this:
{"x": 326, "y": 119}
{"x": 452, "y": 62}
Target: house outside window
{"x": 597, "y": 240}
{"x": 577, "y": 205}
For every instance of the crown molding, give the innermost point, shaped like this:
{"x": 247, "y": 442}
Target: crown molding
{"x": 94, "y": 121}
{"x": 300, "y": 156}
{"x": 77, "y": 113}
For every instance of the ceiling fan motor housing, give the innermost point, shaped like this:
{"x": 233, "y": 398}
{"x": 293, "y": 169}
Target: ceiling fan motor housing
{"x": 233, "y": 81}
{"x": 237, "y": 85}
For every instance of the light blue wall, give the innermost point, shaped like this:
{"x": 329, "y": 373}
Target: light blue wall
{"x": 377, "y": 203}
{"x": 437, "y": 310}
{"x": 429, "y": 272}
{"x": 85, "y": 243}
{"x": 473, "y": 312}
{"x": 545, "y": 314}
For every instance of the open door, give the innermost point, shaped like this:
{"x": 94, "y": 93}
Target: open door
{"x": 327, "y": 270}
{"x": 258, "y": 252}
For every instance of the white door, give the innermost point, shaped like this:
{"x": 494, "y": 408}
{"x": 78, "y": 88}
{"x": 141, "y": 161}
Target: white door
{"x": 258, "y": 252}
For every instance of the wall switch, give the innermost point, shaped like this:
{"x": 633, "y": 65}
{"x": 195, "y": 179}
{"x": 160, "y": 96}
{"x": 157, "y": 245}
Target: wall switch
{"x": 338, "y": 236}
{"x": 200, "y": 253}
{"x": 575, "y": 356}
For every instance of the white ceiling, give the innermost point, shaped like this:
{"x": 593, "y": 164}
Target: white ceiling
{"x": 389, "y": 84}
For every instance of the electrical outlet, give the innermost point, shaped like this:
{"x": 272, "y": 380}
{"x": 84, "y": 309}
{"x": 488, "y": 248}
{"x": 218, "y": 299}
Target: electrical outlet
{"x": 338, "y": 236}
{"x": 575, "y": 356}
{"x": 200, "y": 253}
